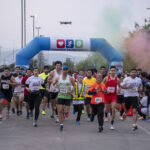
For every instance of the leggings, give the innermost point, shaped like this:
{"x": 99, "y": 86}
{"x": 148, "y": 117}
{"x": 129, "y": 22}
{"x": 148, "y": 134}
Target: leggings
{"x": 34, "y": 102}
{"x": 98, "y": 109}
{"x": 78, "y": 108}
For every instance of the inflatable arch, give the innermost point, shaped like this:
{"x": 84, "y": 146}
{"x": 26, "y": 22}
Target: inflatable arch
{"x": 70, "y": 44}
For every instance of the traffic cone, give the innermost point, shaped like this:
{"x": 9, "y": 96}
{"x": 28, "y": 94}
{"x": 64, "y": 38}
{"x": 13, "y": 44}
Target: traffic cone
{"x": 5, "y": 102}
{"x": 130, "y": 113}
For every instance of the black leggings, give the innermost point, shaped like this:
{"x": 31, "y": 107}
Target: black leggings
{"x": 98, "y": 109}
{"x": 34, "y": 102}
{"x": 78, "y": 108}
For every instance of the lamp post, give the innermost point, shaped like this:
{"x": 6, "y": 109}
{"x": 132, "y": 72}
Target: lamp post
{"x": 22, "y": 23}
{"x": 38, "y": 30}
{"x": 33, "y": 17}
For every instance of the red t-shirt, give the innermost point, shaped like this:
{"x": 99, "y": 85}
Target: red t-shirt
{"x": 23, "y": 83}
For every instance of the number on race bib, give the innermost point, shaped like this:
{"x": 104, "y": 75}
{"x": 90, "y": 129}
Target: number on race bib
{"x": 111, "y": 89}
{"x": 35, "y": 88}
{"x": 63, "y": 91}
{"x": 98, "y": 99}
{"x": 5, "y": 86}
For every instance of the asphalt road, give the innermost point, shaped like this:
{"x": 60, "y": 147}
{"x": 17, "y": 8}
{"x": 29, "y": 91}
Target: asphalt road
{"x": 17, "y": 133}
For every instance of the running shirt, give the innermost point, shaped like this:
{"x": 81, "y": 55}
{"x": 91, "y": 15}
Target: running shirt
{"x": 88, "y": 83}
{"x": 54, "y": 77}
{"x": 64, "y": 87}
{"x": 133, "y": 92}
{"x": 111, "y": 86}
{"x": 120, "y": 91}
{"x": 34, "y": 83}
{"x": 18, "y": 88}
{"x": 43, "y": 76}
{"x": 99, "y": 97}
{"x": 4, "y": 86}
{"x": 143, "y": 101}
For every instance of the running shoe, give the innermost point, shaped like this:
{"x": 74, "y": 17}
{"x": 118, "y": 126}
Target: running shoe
{"x": 43, "y": 112}
{"x": 112, "y": 127}
{"x": 78, "y": 122}
{"x": 61, "y": 127}
{"x": 148, "y": 119}
{"x": 88, "y": 119}
{"x": 35, "y": 123}
{"x": 57, "y": 119}
{"x": 83, "y": 112}
{"x": 106, "y": 119}
{"x": 134, "y": 127}
{"x": 121, "y": 118}
{"x": 92, "y": 118}
{"x": 100, "y": 129}
{"x": 141, "y": 118}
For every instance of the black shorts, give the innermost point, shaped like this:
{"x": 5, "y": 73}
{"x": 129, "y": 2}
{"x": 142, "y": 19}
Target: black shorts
{"x": 87, "y": 101}
{"x": 47, "y": 94}
{"x": 26, "y": 98}
{"x": 53, "y": 95}
{"x": 6, "y": 95}
{"x": 120, "y": 99}
{"x": 65, "y": 102}
{"x": 42, "y": 91}
{"x": 131, "y": 101}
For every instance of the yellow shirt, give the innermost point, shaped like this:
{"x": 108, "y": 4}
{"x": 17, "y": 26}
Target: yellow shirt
{"x": 43, "y": 76}
{"x": 88, "y": 83}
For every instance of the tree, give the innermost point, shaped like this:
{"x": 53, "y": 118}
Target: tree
{"x": 69, "y": 63}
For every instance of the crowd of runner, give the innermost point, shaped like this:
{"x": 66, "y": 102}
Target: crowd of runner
{"x": 98, "y": 92}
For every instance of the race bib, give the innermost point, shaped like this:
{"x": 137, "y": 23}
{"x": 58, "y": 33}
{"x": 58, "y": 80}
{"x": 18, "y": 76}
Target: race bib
{"x": 111, "y": 89}
{"x": 98, "y": 99}
{"x": 5, "y": 86}
{"x": 63, "y": 91}
{"x": 36, "y": 88}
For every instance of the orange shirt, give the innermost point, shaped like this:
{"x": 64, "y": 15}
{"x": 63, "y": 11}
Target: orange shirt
{"x": 99, "y": 97}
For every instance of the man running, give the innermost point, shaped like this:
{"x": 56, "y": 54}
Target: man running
{"x": 33, "y": 85}
{"x": 97, "y": 102}
{"x": 131, "y": 86}
{"x": 65, "y": 82}
{"x": 26, "y": 93}
{"x": 88, "y": 81}
{"x": 53, "y": 94}
{"x": 111, "y": 82}
{"x": 6, "y": 82}
{"x": 44, "y": 75}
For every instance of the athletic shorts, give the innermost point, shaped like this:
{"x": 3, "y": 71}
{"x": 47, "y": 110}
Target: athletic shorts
{"x": 131, "y": 101}
{"x": 65, "y": 102}
{"x": 17, "y": 95}
{"x": 53, "y": 95}
{"x": 47, "y": 94}
{"x": 87, "y": 101}
{"x": 42, "y": 92}
{"x": 110, "y": 98}
{"x": 6, "y": 95}
{"x": 120, "y": 99}
{"x": 26, "y": 98}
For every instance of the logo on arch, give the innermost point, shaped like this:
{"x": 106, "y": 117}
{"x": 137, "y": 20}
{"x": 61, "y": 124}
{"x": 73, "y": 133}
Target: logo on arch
{"x": 60, "y": 43}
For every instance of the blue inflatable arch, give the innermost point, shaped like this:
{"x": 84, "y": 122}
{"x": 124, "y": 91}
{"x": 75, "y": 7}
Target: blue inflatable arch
{"x": 44, "y": 43}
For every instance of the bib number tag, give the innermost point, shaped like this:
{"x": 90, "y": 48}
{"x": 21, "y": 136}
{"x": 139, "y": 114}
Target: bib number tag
{"x": 98, "y": 99}
{"x": 111, "y": 89}
{"x": 63, "y": 91}
{"x": 35, "y": 88}
{"x": 5, "y": 86}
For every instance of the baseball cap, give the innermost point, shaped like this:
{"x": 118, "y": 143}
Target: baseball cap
{"x": 64, "y": 67}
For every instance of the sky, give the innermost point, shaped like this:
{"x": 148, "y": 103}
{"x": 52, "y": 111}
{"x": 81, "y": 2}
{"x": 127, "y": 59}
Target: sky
{"x": 109, "y": 19}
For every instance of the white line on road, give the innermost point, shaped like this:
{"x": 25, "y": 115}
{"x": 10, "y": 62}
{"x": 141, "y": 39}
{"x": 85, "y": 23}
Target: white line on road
{"x": 145, "y": 130}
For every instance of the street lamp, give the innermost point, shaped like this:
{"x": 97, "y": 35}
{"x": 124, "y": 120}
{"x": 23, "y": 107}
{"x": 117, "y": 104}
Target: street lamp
{"x": 22, "y": 23}
{"x": 38, "y": 30}
{"x": 33, "y": 17}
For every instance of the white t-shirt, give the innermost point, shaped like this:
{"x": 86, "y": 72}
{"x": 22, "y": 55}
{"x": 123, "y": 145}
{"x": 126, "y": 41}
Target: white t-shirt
{"x": 128, "y": 81}
{"x": 143, "y": 101}
{"x": 34, "y": 83}
{"x": 18, "y": 88}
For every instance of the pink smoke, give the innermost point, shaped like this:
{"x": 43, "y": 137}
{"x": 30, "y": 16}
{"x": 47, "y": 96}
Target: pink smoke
{"x": 138, "y": 47}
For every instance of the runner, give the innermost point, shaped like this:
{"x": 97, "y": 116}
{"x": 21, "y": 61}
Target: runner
{"x": 26, "y": 93}
{"x": 53, "y": 94}
{"x": 33, "y": 85}
{"x": 78, "y": 98}
{"x": 18, "y": 95}
{"x": 120, "y": 98}
{"x": 131, "y": 86}
{"x": 111, "y": 82}
{"x": 65, "y": 93}
{"x": 6, "y": 82}
{"x": 88, "y": 81}
{"x": 44, "y": 75}
{"x": 97, "y": 102}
